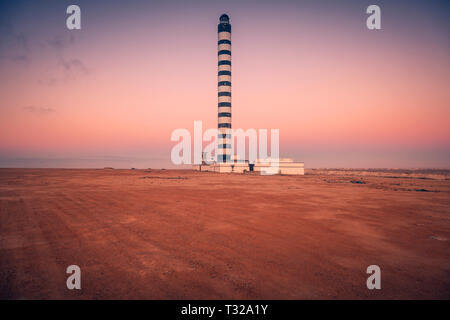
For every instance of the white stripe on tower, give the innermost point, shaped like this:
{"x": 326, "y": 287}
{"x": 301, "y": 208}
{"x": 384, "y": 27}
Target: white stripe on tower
{"x": 224, "y": 89}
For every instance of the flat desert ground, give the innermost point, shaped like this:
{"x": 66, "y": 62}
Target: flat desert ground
{"x": 181, "y": 234}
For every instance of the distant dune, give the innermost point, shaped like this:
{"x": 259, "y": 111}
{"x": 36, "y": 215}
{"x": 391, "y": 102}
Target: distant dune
{"x": 438, "y": 174}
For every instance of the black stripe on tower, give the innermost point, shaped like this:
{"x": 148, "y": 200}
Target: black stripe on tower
{"x": 224, "y": 73}
{"x": 224, "y": 104}
{"x": 224, "y": 52}
{"x": 224, "y": 62}
{"x": 224, "y": 125}
{"x": 224, "y": 27}
{"x": 225, "y": 94}
{"x": 224, "y": 83}
{"x": 225, "y": 114}
{"x": 224, "y": 41}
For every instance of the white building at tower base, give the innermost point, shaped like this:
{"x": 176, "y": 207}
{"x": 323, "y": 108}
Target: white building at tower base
{"x": 263, "y": 166}
{"x": 224, "y": 160}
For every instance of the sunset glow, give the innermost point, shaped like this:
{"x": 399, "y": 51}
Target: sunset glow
{"x": 341, "y": 95}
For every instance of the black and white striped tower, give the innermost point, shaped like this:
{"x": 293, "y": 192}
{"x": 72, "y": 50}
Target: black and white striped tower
{"x": 224, "y": 89}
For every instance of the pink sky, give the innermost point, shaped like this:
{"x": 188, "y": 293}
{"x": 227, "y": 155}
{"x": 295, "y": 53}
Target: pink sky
{"x": 328, "y": 84}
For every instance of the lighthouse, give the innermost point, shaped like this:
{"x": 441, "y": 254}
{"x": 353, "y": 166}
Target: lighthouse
{"x": 226, "y": 160}
{"x": 224, "y": 89}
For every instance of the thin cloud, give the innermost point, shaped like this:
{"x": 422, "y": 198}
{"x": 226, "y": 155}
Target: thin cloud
{"x": 68, "y": 70}
{"x": 60, "y": 41}
{"x": 22, "y": 59}
{"x": 22, "y": 42}
{"x": 38, "y": 110}
{"x": 73, "y": 65}
{"x": 51, "y": 81}
{"x": 14, "y": 46}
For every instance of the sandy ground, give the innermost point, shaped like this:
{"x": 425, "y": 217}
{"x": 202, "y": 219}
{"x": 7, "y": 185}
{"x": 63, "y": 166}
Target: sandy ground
{"x": 168, "y": 234}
